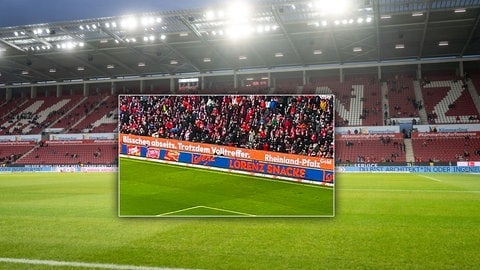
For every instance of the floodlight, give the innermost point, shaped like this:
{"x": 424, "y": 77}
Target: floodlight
{"x": 94, "y": 26}
{"x": 114, "y": 24}
{"x": 385, "y": 16}
{"x": 279, "y": 54}
{"x": 369, "y": 19}
{"x": 329, "y": 7}
{"x": 151, "y": 38}
{"x": 110, "y": 66}
{"x": 317, "y": 52}
{"x": 460, "y": 10}
{"x": 80, "y": 68}
{"x": 336, "y": 22}
{"x": 81, "y": 27}
{"x": 145, "y": 38}
{"x": 207, "y": 60}
{"x": 173, "y": 62}
{"x": 129, "y": 23}
{"x": 344, "y": 21}
{"x": 360, "y": 20}
{"x": 210, "y": 15}
{"x": 399, "y": 46}
{"x": 146, "y": 21}
{"x": 24, "y": 72}
{"x": 141, "y": 64}
{"x": 163, "y": 37}
{"x": 357, "y": 49}
{"x": 324, "y": 23}
{"x": 15, "y": 33}
{"x": 52, "y": 70}
{"x": 107, "y": 25}
{"x": 417, "y": 14}
{"x": 443, "y": 43}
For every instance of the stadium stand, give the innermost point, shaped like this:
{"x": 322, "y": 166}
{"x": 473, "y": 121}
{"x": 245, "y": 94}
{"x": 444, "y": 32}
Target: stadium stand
{"x": 71, "y": 153}
{"x": 434, "y": 149}
{"x": 359, "y": 102}
{"x": 298, "y": 125}
{"x": 385, "y": 148}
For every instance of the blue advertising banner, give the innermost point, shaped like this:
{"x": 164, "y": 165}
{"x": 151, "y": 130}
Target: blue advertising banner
{"x": 409, "y": 169}
{"x": 229, "y": 163}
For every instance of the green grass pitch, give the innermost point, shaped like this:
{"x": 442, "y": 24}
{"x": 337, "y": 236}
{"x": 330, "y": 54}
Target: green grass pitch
{"x": 382, "y": 221}
{"x": 155, "y": 189}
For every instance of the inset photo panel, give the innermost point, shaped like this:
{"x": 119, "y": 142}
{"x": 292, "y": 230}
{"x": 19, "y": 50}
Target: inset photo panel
{"x": 226, "y": 156}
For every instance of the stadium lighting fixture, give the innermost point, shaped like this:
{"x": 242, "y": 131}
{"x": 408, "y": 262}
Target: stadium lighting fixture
{"x": 183, "y": 34}
{"x": 52, "y": 70}
{"x": 141, "y": 64}
{"x": 173, "y": 62}
{"x": 417, "y": 14}
{"x": 336, "y": 22}
{"x": 129, "y": 23}
{"x": 399, "y": 46}
{"x": 210, "y": 15}
{"x": 279, "y": 54}
{"x": 357, "y": 49}
{"x": 81, "y": 27}
{"x": 207, "y": 60}
{"x": 385, "y": 16}
{"x": 324, "y": 23}
{"x": 443, "y": 43}
{"x": 460, "y": 10}
{"x": 94, "y": 26}
{"x": 80, "y": 68}
{"x": 360, "y": 20}
{"x": 110, "y": 66}
{"x": 107, "y": 25}
{"x": 369, "y": 19}
{"x": 317, "y": 52}
{"x": 24, "y": 72}
{"x": 328, "y": 7}
{"x": 242, "y": 57}
{"x": 15, "y": 33}
{"x": 163, "y": 37}
{"x": 147, "y": 21}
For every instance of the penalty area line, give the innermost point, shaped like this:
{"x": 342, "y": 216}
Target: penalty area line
{"x": 83, "y": 264}
{"x": 229, "y": 211}
{"x": 207, "y": 207}
{"x": 178, "y": 211}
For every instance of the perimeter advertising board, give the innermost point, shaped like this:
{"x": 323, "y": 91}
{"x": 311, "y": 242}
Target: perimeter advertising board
{"x": 279, "y": 137}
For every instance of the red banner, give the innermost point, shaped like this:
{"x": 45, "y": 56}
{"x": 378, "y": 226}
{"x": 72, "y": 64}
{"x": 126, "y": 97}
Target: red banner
{"x": 227, "y": 151}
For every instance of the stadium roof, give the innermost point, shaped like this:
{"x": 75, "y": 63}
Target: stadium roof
{"x": 271, "y": 35}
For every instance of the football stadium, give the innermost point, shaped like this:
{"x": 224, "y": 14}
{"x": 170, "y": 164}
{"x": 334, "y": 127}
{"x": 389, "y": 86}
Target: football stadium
{"x": 267, "y": 134}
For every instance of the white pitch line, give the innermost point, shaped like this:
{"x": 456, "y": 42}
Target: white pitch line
{"x": 431, "y": 178}
{"x": 178, "y": 211}
{"x": 229, "y": 211}
{"x": 83, "y": 265}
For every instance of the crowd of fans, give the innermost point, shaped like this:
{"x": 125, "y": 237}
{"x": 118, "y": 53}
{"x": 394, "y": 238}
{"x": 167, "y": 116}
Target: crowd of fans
{"x": 288, "y": 124}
